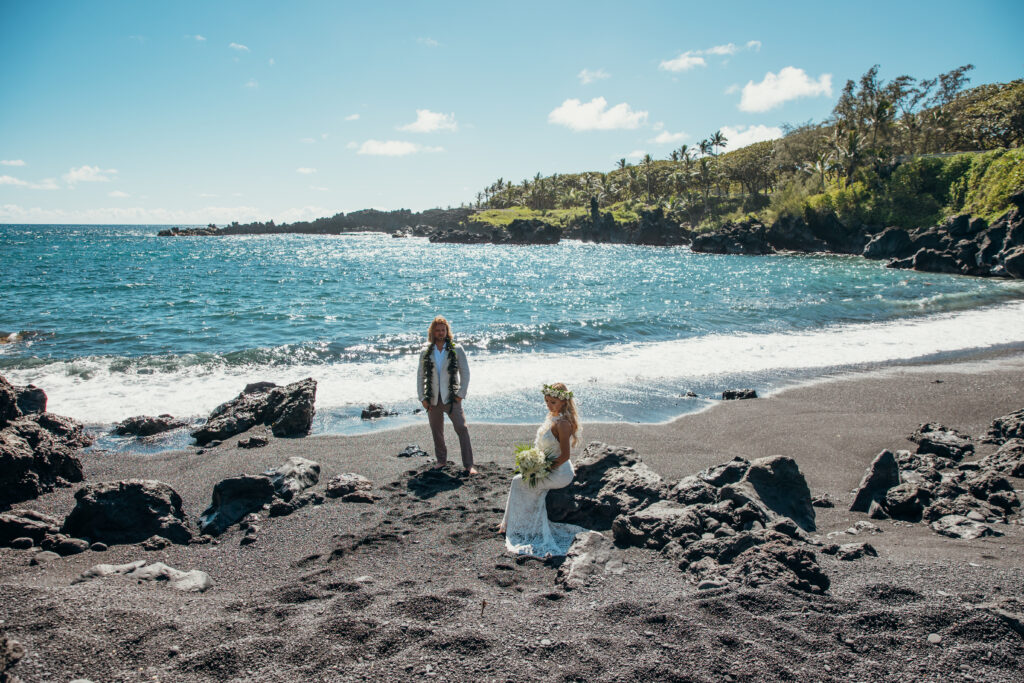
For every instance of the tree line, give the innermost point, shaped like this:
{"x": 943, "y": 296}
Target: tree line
{"x": 874, "y": 127}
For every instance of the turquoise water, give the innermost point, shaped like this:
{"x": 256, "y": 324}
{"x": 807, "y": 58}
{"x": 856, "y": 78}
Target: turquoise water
{"x": 122, "y": 322}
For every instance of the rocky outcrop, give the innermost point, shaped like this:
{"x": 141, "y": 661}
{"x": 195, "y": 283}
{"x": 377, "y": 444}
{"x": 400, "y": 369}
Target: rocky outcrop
{"x": 236, "y": 497}
{"x": 812, "y": 233}
{"x": 146, "y": 425}
{"x": 1006, "y": 427}
{"x": 287, "y": 410}
{"x": 960, "y": 245}
{"x": 748, "y": 237}
{"x": 127, "y": 512}
{"x": 736, "y": 523}
{"x": 652, "y": 228}
{"x": 937, "y": 485}
{"x": 609, "y": 481}
{"x": 37, "y": 450}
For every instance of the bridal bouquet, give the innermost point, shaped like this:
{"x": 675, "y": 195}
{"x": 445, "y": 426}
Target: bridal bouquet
{"x": 532, "y": 463}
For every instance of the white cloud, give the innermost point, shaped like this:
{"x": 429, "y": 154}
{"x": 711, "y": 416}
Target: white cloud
{"x": 319, "y": 189}
{"x": 239, "y": 47}
{"x": 206, "y": 195}
{"x": 664, "y": 138}
{"x": 48, "y": 184}
{"x": 198, "y": 38}
{"x": 587, "y": 76}
{"x": 789, "y": 84}
{"x": 693, "y": 58}
{"x": 305, "y": 171}
{"x": 12, "y": 162}
{"x": 352, "y": 145}
{"x": 117, "y": 194}
{"x": 271, "y": 61}
{"x": 307, "y": 141}
{"x": 732, "y": 89}
{"x": 352, "y": 117}
{"x": 394, "y": 148}
{"x": 636, "y": 154}
{"x": 595, "y": 115}
{"x": 252, "y": 83}
{"x": 727, "y": 49}
{"x": 323, "y": 136}
{"x": 741, "y": 136}
{"x": 89, "y": 174}
{"x": 683, "y": 62}
{"x": 430, "y": 122}
{"x": 429, "y": 42}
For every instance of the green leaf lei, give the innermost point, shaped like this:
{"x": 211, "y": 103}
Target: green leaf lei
{"x": 428, "y": 368}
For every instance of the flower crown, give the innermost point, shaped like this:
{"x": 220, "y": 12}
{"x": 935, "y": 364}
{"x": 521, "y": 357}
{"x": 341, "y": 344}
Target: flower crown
{"x": 561, "y": 394}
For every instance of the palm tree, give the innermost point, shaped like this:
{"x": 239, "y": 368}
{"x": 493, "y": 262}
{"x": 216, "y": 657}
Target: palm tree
{"x": 648, "y": 164}
{"x": 718, "y": 140}
{"x": 621, "y": 164}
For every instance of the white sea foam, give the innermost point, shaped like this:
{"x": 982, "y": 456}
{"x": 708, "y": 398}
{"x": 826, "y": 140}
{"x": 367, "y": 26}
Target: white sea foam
{"x": 89, "y": 391}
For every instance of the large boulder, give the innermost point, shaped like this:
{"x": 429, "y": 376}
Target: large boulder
{"x": 609, "y": 481}
{"x": 780, "y": 485}
{"x": 293, "y": 477}
{"x": 657, "y": 524}
{"x": 236, "y": 497}
{"x": 935, "y": 439}
{"x": 31, "y": 399}
{"x": 37, "y": 455}
{"x": 147, "y": 425}
{"x": 883, "y": 473}
{"x": 890, "y": 243}
{"x": 127, "y": 512}
{"x": 233, "y": 499}
{"x": 288, "y": 411}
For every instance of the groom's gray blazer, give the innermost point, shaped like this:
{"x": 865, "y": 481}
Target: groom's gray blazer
{"x": 439, "y": 388}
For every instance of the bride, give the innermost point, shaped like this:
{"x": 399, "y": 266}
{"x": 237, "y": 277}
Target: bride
{"x": 525, "y": 525}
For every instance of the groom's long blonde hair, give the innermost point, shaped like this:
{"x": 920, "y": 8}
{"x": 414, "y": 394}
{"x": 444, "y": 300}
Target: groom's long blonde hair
{"x": 570, "y": 414}
{"x": 434, "y": 323}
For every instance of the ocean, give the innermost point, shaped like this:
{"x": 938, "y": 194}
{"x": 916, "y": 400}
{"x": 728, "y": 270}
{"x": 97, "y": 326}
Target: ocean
{"x": 114, "y": 321}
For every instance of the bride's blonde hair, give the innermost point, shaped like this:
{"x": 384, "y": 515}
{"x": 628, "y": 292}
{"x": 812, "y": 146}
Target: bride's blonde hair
{"x": 569, "y": 412}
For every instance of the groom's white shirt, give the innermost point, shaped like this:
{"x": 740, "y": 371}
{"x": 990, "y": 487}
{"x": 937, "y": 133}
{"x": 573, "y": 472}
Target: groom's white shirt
{"x": 439, "y": 362}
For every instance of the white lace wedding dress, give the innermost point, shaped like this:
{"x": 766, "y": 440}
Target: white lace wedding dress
{"x": 528, "y": 531}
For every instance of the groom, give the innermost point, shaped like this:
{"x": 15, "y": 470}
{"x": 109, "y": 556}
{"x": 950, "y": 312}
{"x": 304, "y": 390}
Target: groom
{"x": 442, "y": 381}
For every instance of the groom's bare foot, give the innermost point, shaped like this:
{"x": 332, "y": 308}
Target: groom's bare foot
{"x": 439, "y": 466}
{"x": 471, "y": 470}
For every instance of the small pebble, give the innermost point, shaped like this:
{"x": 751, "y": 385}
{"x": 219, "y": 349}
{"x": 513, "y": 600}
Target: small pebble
{"x": 934, "y": 638}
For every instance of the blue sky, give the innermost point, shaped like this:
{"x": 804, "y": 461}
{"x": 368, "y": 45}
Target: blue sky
{"x": 198, "y": 112}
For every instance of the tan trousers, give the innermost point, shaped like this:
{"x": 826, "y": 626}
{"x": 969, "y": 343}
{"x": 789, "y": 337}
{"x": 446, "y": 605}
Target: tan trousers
{"x": 436, "y": 415}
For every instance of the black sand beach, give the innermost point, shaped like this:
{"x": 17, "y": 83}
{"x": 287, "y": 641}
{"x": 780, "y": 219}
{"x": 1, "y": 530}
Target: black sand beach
{"x": 417, "y": 585}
